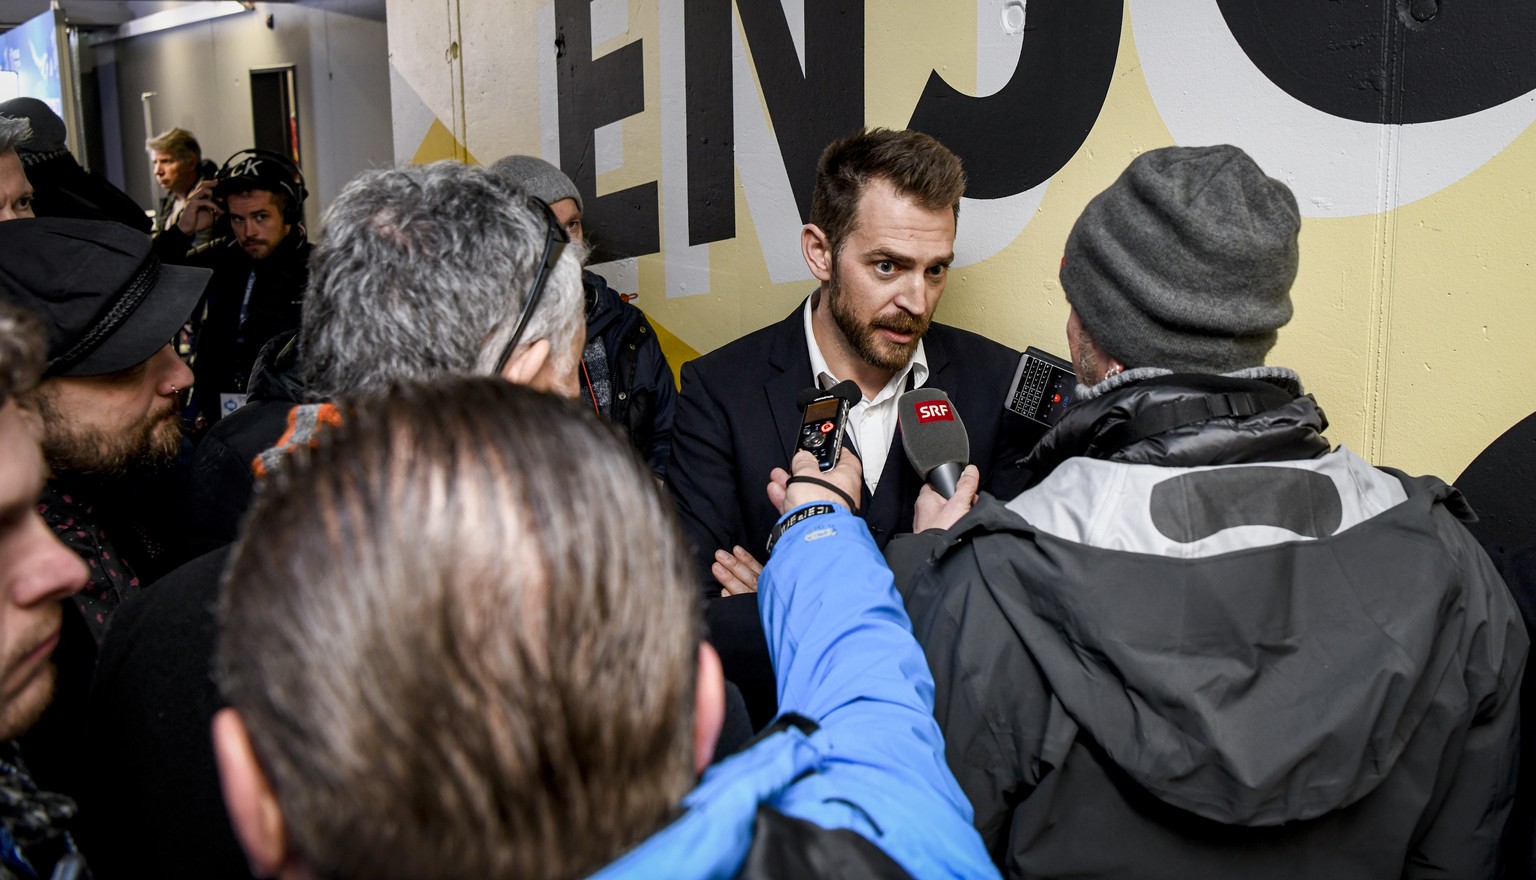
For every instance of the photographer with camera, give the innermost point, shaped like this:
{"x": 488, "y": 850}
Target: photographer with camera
{"x": 260, "y": 270}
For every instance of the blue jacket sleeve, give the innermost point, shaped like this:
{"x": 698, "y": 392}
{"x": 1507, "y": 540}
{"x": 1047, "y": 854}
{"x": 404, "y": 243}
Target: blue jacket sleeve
{"x": 844, "y": 656}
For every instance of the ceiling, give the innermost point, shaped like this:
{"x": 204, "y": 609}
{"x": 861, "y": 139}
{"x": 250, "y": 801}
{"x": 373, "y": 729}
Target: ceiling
{"x": 94, "y": 14}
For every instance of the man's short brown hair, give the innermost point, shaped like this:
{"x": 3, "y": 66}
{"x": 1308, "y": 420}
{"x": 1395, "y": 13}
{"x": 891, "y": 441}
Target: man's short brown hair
{"x": 917, "y": 165}
{"x": 462, "y": 637}
{"x": 179, "y": 142}
{"x": 23, "y": 351}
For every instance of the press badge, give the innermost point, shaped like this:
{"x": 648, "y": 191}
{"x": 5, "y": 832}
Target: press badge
{"x": 228, "y": 403}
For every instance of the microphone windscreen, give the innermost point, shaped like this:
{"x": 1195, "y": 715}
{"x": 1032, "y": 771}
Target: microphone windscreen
{"x": 804, "y": 398}
{"x": 931, "y": 430}
{"x": 848, "y": 390}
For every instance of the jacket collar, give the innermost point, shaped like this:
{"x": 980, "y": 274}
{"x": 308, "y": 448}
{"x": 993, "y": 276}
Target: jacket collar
{"x": 1262, "y": 418}
{"x": 790, "y": 359}
{"x": 712, "y": 837}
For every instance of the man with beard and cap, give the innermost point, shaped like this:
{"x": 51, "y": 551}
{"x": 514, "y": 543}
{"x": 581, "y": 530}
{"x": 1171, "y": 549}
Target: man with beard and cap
{"x": 880, "y": 241}
{"x": 1206, "y": 643}
{"x": 260, "y": 271}
{"x": 108, "y": 404}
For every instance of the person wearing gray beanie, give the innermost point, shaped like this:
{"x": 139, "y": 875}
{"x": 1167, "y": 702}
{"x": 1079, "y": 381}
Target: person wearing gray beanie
{"x": 624, "y": 374}
{"x": 546, "y": 183}
{"x": 1213, "y": 643}
{"x": 1185, "y": 262}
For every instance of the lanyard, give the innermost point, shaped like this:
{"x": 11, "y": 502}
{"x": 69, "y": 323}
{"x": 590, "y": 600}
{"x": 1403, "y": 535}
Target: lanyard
{"x": 245, "y": 307}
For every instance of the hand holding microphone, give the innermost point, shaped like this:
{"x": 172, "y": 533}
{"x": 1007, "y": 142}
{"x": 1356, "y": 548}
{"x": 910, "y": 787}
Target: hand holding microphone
{"x": 939, "y": 450}
{"x": 934, "y": 511}
{"x": 934, "y": 437}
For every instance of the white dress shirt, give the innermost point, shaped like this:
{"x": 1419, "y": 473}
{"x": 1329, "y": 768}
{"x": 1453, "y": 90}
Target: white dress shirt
{"x": 871, "y": 423}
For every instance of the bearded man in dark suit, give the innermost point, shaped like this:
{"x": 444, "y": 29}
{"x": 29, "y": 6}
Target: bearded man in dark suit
{"x": 880, "y": 241}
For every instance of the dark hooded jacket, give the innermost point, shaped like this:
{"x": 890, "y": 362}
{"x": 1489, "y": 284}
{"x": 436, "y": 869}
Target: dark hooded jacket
{"x": 64, "y": 189}
{"x": 1203, "y": 645}
{"x": 222, "y": 485}
{"x": 641, "y": 395}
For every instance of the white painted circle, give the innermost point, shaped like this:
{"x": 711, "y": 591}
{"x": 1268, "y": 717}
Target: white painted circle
{"x": 1013, "y": 17}
{"x": 1208, "y": 92}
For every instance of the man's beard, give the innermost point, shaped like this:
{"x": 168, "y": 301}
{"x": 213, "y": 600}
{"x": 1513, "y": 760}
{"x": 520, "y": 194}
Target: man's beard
{"x": 1086, "y": 365}
{"x": 150, "y": 444}
{"x": 867, "y": 343}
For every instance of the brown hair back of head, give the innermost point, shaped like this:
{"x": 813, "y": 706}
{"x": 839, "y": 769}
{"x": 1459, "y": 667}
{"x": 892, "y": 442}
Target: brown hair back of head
{"x": 463, "y": 638}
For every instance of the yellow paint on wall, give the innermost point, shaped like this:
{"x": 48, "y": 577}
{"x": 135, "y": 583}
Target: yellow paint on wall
{"x": 1015, "y": 296}
{"x": 677, "y": 351}
{"x": 896, "y": 67}
{"x": 741, "y": 296}
{"x": 440, "y": 143}
{"x": 1463, "y": 316}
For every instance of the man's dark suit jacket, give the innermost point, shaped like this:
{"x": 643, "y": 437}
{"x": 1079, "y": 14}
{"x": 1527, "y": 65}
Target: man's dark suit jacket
{"x": 737, "y": 421}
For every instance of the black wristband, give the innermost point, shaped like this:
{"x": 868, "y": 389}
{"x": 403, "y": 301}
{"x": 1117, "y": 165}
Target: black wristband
{"x": 795, "y": 519}
{"x": 853, "y": 507}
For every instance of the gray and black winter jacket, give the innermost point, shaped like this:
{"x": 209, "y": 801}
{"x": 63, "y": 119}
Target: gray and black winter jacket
{"x": 1205, "y": 645}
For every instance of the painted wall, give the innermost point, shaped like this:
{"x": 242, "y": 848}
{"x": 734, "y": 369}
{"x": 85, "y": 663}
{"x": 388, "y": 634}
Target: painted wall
{"x": 692, "y": 126}
{"x": 201, "y": 73}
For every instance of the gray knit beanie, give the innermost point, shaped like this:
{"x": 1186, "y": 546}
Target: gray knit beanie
{"x": 47, "y": 141}
{"x": 1186, "y": 261}
{"x": 538, "y": 178}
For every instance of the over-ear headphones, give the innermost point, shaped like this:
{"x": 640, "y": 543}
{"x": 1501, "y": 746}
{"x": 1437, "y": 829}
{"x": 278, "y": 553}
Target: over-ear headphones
{"x": 264, "y": 169}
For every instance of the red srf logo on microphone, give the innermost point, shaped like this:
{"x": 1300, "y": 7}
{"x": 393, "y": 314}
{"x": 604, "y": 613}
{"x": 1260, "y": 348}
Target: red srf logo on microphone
{"x": 934, "y": 411}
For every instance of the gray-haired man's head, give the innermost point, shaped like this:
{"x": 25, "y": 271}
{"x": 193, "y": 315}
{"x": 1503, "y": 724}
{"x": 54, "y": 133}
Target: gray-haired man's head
{"x": 422, "y": 272}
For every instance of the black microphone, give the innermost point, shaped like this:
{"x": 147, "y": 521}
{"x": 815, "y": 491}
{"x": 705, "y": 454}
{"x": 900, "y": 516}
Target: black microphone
{"x": 846, "y": 390}
{"x": 934, "y": 437}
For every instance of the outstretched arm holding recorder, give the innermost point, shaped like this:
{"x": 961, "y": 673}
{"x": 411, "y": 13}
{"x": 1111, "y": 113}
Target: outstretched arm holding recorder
{"x": 844, "y": 658}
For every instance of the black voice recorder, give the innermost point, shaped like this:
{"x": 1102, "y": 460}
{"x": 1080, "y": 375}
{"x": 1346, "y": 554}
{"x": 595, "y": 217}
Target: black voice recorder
{"x": 825, "y": 420}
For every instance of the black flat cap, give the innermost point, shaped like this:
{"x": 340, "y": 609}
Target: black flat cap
{"x": 107, "y": 303}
